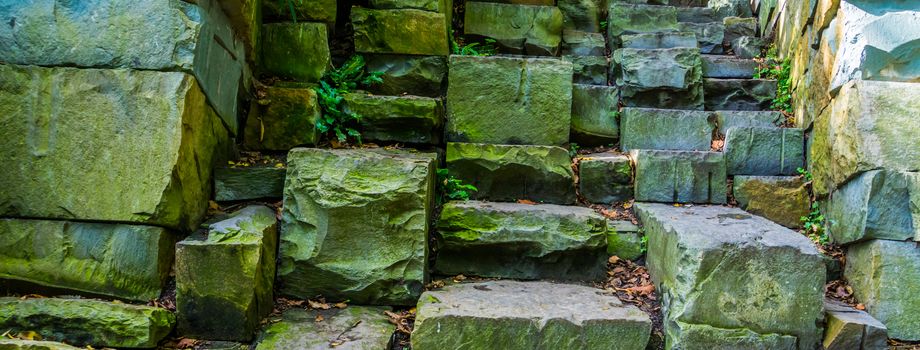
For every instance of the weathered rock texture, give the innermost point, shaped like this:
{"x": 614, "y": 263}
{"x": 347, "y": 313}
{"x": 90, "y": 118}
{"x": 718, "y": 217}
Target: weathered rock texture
{"x": 413, "y": 75}
{"x": 764, "y": 151}
{"x": 247, "y": 183}
{"x": 670, "y": 129}
{"x": 17, "y": 344}
{"x": 605, "y": 177}
{"x": 594, "y": 113}
{"x": 680, "y": 176}
{"x": 519, "y": 29}
{"x": 409, "y": 119}
{"x": 877, "y": 204}
{"x": 352, "y": 328}
{"x": 286, "y": 119}
{"x": 884, "y": 277}
{"x": 849, "y": 328}
{"x": 659, "y": 78}
{"x": 404, "y": 31}
{"x": 298, "y": 51}
{"x": 782, "y": 199}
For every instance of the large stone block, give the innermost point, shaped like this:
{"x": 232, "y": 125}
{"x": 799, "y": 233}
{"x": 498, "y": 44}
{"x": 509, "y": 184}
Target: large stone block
{"x": 673, "y": 129}
{"x": 518, "y": 29}
{"x": 739, "y": 94}
{"x": 581, "y": 15}
{"x": 764, "y": 151}
{"x": 285, "y": 119}
{"x": 224, "y": 276}
{"x": 410, "y": 119}
{"x": 298, "y": 51}
{"x": 124, "y": 261}
{"x": 626, "y": 18}
{"x": 527, "y": 315}
{"x": 849, "y": 328}
{"x": 18, "y": 344}
{"x": 743, "y": 119}
{"x": 659, "y": 78}
{"x": 659, "y": 40}
{"x": 594, "y": 114}
{"x": 624, "y": 240}
{"x": 680, "y": 176}
{"x": 355, "y": 224}
{"x": 248, "y": 182}
{"x": 605, "y": 178}
{"x": 406, "y": 31}
{"x": 307, "y": 11}
{"x": 709, "y": 36}
{"x": 884, "y": 277}
{"x": 412, "y": 75}
{"x": 781, "y": 199}
{"x": 737, "y": 27}
{"x": 508, "y": 173}
{"x": 730, "y": 279}
{"x": 877, "y": 204}
{"x": 718, "y": 66}
{"x": 522, "y": 241}
{"x": 355, "y": 327}
{"x": 109, "y": 145}
{"x": 86, "y": 322}
{"x": 507, "y": 100}
{"x": 590, "y": 70}
{"x": 578, "y": 43}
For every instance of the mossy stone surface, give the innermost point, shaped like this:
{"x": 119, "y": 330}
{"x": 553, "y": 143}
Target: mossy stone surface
{"x": 627, "y": 18}
{"x": 666, "y": 129}
{"x": 595, "y": 114}
{"x": 680, "y": 176}
{"x": 781, "y": 199}
{"x": 17, "y": 344}
{"x": 764, "y": 151}
{"x": 308, "y": 11}
{"x": 516, "y": 29}
{"x": 739, "y": 94}
{"x": 408, "y": 119}
{"x": 285, "y": 120}
{"x": 407, "y": 74}
{"x": 884, "y": 275}
{"x": 403, "y": 31}
{"x": 605, "y": 178}
{"x": 659, "y": 78}
{"x": 351, "y": 328}
{"x": 296, "y": 51}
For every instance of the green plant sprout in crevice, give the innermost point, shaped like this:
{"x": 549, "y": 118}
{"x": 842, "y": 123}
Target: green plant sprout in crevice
{"x": 814, "y": 221}
{"x": 451, "y": 188}
{"x": 772, "y": 67}
{"x": 487, "y": 48}
{"x": 291, "y": 7}
{"x": 335, "y": 119}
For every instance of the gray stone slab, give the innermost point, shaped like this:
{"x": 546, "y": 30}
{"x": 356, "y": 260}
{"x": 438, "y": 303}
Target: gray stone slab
{"x": 740, "y": 119}
{"x": 666, "y": 129}
{"x": 848, "y": 328}
{"x": 594, "y": 114}
{"x": 877, "y": 204}
{"x": 709, "y": 36}
{"x": 247, "y": 183}
{"x": 405, "y": 74}
{"x": 516, "y": 29}
{"x": 659, "y": 78}
{"x": 605, "y": 177}
{"x": 718, "y": 66}
{"x": 351, "y": 328}
{"x": 661, "y": 40}
{"x": 884, "y": 276}
{"x": 680, "y": 176}
{"x": 739, "y": 94}
{"x": 781, "y": 199}
{"x": 764, "y": 151}
{"x": 626, "y": 18}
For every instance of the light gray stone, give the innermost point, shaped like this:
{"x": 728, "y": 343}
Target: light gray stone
{"x": 660, "y": 40}
{"x": 659, "y": 78}
{"x": 578, "y": 43}
{"x": 725, "y": 8}
{"x": 747, "y": 47}
{"x": 739, "y": 94}
{"x": 849, "y": 328}
{"x": 588, "y": 69}
{"x": 680, "y": 176}
{"x": 736, "y": 27}
{"x": 764, "y": 151}
{"x": 741, "y": 119}
{"x": 709, "y": 36}
{"x": 718, "y": 66}
{"x": 408, "y": 119}
{"x": 877, "y": 204}
{"x": 667, "y": 129}
{"x": 884, "y": 277}
{"x": 594, "y": 114}
{"x": 581, "y": 14}
{"x": 517, "y": 29}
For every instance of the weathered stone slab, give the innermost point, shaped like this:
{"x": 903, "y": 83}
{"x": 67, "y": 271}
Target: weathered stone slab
{"x": 736, "y": 27}
{"x": 286, "y": 119}
{"x": 518, "y": 29}
{"x": 884, "y": 277}
{"x": 85, "y": 322}
{"x": 509, "y": 100}
{"x": 78, "y": 144}
{"x": 764, "y": 151}
{"x": 581, "y": 15}
{"x": 697, "y": 15}
{"x": 526, "y": 315}
{"x": 224, "y": 277}
{"x": 748, "y": 47}
{"x": 709, "y": 36}
{"x": 625, "y": 18}
{"x": 849, "y": 328}
{"x": 308, "y": 11}
{"x": 877, "y": 204}
{"x": 410, "y": 119}
{"x": 440, "y": 6}
{"x": 624, "y": 240}
{"x": 672, "y": 129}
{"x": 379, "y": 259}
{"x": 123, "y": 261}
{"x": 407, "y": 31}
{"x": 591, "y": 70}
{"x": 659, "y": 40}
{"x": 680, "y": 176}
{"x": 521, "y": 241}
{"x": 605, "y": 178}
{"x": 739, "y": 94}
{"x": 726, "y": 8}
{"x": 351, "y": 328}
{"x": 413, "y": 75}
{"x": 731, "y": 279}
{"x": 594, "y": 114}
{"x": 507, "y": 173}
{"x": 781, "y": 199}
{"x": 742, "y": 119}
{"x": 717, "y": 66}
{"x": 298, "y": 51}
{"x": 659, "y": 78}
{"x": 578, "y": 43}
{"x": 17, "y": 344}
{"x": 247, "y": 183}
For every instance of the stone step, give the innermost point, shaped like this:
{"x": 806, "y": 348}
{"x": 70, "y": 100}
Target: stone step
{"x": 762, "y": 119}
{"x": 17, "y": 344}
{"x": 589, "y": 69}
{"x": 627, "y": 18}
{"x": 666, "y": 129}
{"x": 660, "y": 40}
{"x": 739, "y": 94}
{"x": 594, "y": 114}
{"x": 516, "y": 29}
{"x": 407, "y": 74}
{"x": 507, "y": 173}
{"x": 781, "y": 199}
{"x": 680, "y": 176}
{"x": 354, "y": 327}
{"x": 400, "y": 31}
{"x": 83, "y": 322}
{"x": 736, "y": 27}
{"x": 514, "y": 315}
{"x": 579, "y": 43}
{"x": 849, "y": 328}
{"x": 764, "y": 151}
{"x": 403, "y": 119}
{"x": 884, "y": 277}
{"x": 709, "y": 36}
{"x": 877, "y": 204}
{"x": 521, "y": 241}
{"x": 286, "y": 121}
{"x": 718, "y": 66}
{"x": 733, "y": 280}
{"x": 696, "y": 15}
{"x": 605, "y": 178}
{"x": 248, "y": 182}
{"x": 659, "y": 78}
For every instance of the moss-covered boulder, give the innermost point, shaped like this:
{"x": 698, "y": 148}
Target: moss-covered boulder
{"x": 405, "y": 74}
{"x": 605, "y": 177}
{"x": 628, "y": 18}
{"x": 298, "y": 51}
{"x": 522, "y": 241}
{"x": 884, "y": 277}
{"x": 108, "y": 145}
{"x": 650, "y": 128}
{"x": 517, "y": 29}
{"x": 355, "y": 224}
{"x": 85, "y": 322}
{"x": 405, "y": 31}
{"x": 248, "y": 182}
{"x": 877, "y": 204}
{"x": 17, "y": 344}
{"x": 659, "y": 78}
{"x": 594, "y": 114}
{"x": 680, "y": 176}
{"x": 351, "y": 328}
{"x": 781, "y": 199}
{"x": 739, "y": 94}
{"x": 507, "y": 173}
{"x": 764, "y": 151}
{"x": 284, "y": 119}
{"x": 224, "y": 276}
{"x": 408, "y": 119}
{"x": 309, "y": 11}
{"x": 509, "y": 100}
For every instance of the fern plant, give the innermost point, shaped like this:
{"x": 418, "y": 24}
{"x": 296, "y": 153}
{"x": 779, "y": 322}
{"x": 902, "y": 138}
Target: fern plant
{"x": 814, "y": 225}
{"x": 451, "y": 188}
{"x": 335, "y": 119}
{"x": 487, "y": 48}
{"x": 771, "y": 67}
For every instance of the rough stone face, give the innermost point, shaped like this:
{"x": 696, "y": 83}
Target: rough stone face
{"x": 117, "y": 145}
{"x": 224, "y": 277}
{"x": 848, "y": 328}
{"x": 296, "y": 51}
{"x": 725, "y": 8}
{"x": 286, "y": 120}
{"x": 877, "y": 204}
{"x": 736, "y": 27}
{"x": 408, "y": 31}
{"x": 673, "y": 129}
{"x": 747, "y": 47}
{"x": 624, "y": 18}
{"x": 624, "y": 240}
{"x": 884, "y": 277}
{"x": 440, "y": 6}
{"x": 739, "y": 94}
{"x": 781, "y": 199}
{"x": 525, "y": 2}
{"x": 351, "y": 328}
{"x": 87, "y": 322}
{"x": 594, "y": 114}
{"x": 730, "y": 279}
{"x": 519, "y": 29}
{"x": 526, "y": 315}
{"x": 605, "y": 178}
{"x": 522, "y": 241}
{"x": 307, "y": 11}
{"x": 124, "y": 261}
{"x": 16, "y": 344}
{"x": 659, "y": 40}
{"x": 717, "y": 66}
{"x": 659, "y": 78}
{"x": 411, "y": 119}
{"x": 742, "y": 119}
{"x": 590, "y": 70}
{"x": 379, "y": 259}
{"x": 680, "y": 176}
{"x": 247, "y": 183}
{"x": 578, "y": 43}
{"x": 709, "y": 36}
{"x": 581, "y": 15}
{"x": 508, "y": 100}
{"x": 507, "y": 173}
{"x": 413, "y": 75}
{"x": 696, "y": 15}
{"x": 764, "y": 151}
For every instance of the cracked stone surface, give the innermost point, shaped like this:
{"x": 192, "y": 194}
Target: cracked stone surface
{"x": 516, "y": 29}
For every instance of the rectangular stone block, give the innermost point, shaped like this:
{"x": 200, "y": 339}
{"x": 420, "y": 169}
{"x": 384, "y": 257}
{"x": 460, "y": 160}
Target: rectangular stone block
{"x": 709, "y": 36}
{"x": 605, "y": 178}
{"x": 590, "y": 70}
{"x": 718, "y": 66}
{"x": 298, "y": 51}
{"x": 739, "y": 94}
{"x": 355, "y": 225}
{"x": 582, "y": 14}
{"x": 248, "y": 183}
{"x": 680, "y": 176}
{"x": 849, "y": 328}
{"x": 286, "y": 119}
{"x": 764, "y": 151}
{"x": 884, "y": 277}
{"x": 671, "y": 129}
{"x": 578, "y": 43}
{"x": 736, "y": 27}
{"x": 224, "y": 276}
{"x": 307, "y": 11}
{"x": 659, "y": 40}
{"x": 409, "y": 119}
{"x": 781, "y": 199}
{"x": 743, "y": 119}
{"x": 405, "y": 74}
{"x": 594, "y": 114}
{"x": 123, "y": 261}
{"x": 659, "y": 78}
{"x": 626, "y": 18}
{"x": 624, "y": 240}
{"x": 516, "y": 29}
{"x": 509, "y": 100}
{"x": 877, "y": 204}
{"x": 405, "y": 31}
{"x": 507, "y": 173}
{"x": 360, "y": 327}
{"x": 107, "y": 145}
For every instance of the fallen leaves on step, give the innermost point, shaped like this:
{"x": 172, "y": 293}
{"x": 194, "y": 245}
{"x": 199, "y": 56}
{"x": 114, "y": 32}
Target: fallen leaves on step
{"x": 318, "y": 305}
{"x": 187, "y": 343}
{"x": 404, "y": 320}
{"x": 841, "y": 291}
{"x": 319, "y": 318}
{"x": 616, "y": 211}
{"x": 526, "y": 201}
{"x": 631, "y": 283}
